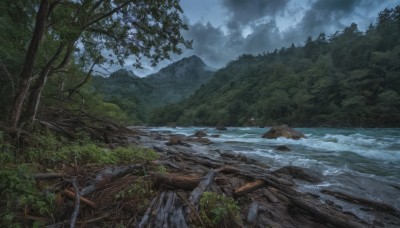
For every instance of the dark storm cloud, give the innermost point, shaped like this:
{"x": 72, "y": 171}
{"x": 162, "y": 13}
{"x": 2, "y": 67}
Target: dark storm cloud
{"x": 243, "y": 12}
{"x": 326, "y": 15}
{"x": 209, "y": 43}
{"x": 256, "y": 26}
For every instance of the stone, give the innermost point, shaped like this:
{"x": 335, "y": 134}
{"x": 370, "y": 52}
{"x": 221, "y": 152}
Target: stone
{"x": 283, "y": 131}
{"x": 282, "y": 148}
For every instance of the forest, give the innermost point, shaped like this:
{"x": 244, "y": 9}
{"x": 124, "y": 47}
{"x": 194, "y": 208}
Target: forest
{"x": 348, "y": 79}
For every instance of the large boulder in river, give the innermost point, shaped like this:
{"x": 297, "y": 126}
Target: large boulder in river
{"x": 199, "y": 134}
{"x": 283, "y": 131}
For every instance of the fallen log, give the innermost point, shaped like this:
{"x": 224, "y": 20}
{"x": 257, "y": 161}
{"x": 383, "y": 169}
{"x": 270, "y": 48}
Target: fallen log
{"x": 107, "y": 175}
{"x": 248, "y": 187}
{"x": 270, "y": 196}
{"x": 167, "y": 212}
{"x": 361, "y": 201}
{"x": 172, "y": 180}
{"x": 201, "y": 187}
{"x": 331, "y": 217}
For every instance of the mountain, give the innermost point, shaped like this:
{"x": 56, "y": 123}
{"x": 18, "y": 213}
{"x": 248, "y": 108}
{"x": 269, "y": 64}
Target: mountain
{"x": 177, "y": 81}
{"x": 350, "y": 79}
{"x": 171, "y": 84}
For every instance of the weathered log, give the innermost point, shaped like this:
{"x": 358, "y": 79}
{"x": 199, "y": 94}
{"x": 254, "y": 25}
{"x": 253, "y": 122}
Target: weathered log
{"x": 43, "y": 176}
{"x": 146, "y": 216}
{"x": 252, "y": 214}
{"x": 270, "y": 196}
{"x": 361, "y": 201}
{"x": 72, "y": 195}
{"x": 107, "y": 175}
{"x": 302, "y": 173}
{"x": 167, "y": 212}
{"x": 173, "y": 180}
{"x": 248, "y": 187}
{"x": 204, "y": 183}
{"x": 331, "y": 217}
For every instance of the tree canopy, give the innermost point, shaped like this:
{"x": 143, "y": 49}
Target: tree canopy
{"x": 69, "y": 34}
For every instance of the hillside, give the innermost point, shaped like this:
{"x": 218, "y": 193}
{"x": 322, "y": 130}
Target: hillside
{"x": 171, "y": 84}
{"x": 350, "y": 79}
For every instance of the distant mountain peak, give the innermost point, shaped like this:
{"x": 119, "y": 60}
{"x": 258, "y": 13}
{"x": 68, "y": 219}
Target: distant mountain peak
{"x": 123, "y": 73}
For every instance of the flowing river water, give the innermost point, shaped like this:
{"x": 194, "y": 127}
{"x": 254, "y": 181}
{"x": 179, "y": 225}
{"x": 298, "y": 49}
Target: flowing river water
{"x": 360, "y": 162}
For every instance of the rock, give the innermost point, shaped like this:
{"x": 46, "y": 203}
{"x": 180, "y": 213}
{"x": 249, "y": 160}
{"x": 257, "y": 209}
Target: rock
{"x": 230, "y": 155}
{"x": 283, "y": 131}
{"x": 282, "y": 148}
{"x": 215, "y": 136}
{"x": 200, "y": 134}
{"x": 201, "y": 140}
{"x": 174, "y": 140}
{"x": 302, "y": 173}
{"x": 221, "y": 128}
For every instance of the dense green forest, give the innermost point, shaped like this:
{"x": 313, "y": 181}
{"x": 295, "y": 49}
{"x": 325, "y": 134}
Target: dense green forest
{"x": 138, "y": 96}
{"x": 349, "y": 79}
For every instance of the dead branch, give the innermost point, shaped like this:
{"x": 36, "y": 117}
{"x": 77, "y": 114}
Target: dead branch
{"x": 72, "y": 194}
{"x": 77, "y": 204}
{"x": 107, "y": 175}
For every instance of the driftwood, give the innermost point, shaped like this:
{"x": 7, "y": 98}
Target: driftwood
{"x": 146, "y": 216}
{"x": 72, "y": 194}
{"x": 165, "y": 211}
{"x": 248, "y": 187}
{"x": 332, "y": 217}
{"x": 252, "y": 214}
{"x": 361, "y": 201}
{"x": 204, "y": 183}
{"x": 270, "y": 196}
{"x": 107, "y": 175}
{"x": 172, "y": 180}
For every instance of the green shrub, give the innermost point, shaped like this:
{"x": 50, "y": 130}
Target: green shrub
{"x": 49, "y": 150}
{"x": 140, "y": 191}
{"x": 18, "y": 194}
{"x": 219, "y": 210}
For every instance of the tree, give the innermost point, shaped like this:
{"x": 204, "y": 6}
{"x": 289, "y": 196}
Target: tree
{"x": 96, "y": 32}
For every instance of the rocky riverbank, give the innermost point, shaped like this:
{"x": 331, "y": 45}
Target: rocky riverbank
{"x": 265, "y": 197}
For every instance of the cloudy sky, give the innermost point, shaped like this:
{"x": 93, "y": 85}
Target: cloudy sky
{"x": 221, "y": 30}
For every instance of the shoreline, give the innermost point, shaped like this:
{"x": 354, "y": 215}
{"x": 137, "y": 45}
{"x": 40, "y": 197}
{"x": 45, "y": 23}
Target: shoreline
{"x": 271, "y": 213}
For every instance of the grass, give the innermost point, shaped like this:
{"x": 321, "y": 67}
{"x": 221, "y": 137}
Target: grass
{"x": 20, "y": 193}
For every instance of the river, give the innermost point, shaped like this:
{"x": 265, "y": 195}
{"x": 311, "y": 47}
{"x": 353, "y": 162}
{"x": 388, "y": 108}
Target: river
{"x": 361, "y": 162}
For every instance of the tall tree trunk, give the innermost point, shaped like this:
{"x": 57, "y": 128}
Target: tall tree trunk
{"x": 34, "y": 97}
{"x": 26, "y": 74}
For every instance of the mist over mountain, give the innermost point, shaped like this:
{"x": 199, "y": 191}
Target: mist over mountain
{"x": 171, "y": 84}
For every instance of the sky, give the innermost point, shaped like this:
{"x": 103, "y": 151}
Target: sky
{"x": 222, "y": 30}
